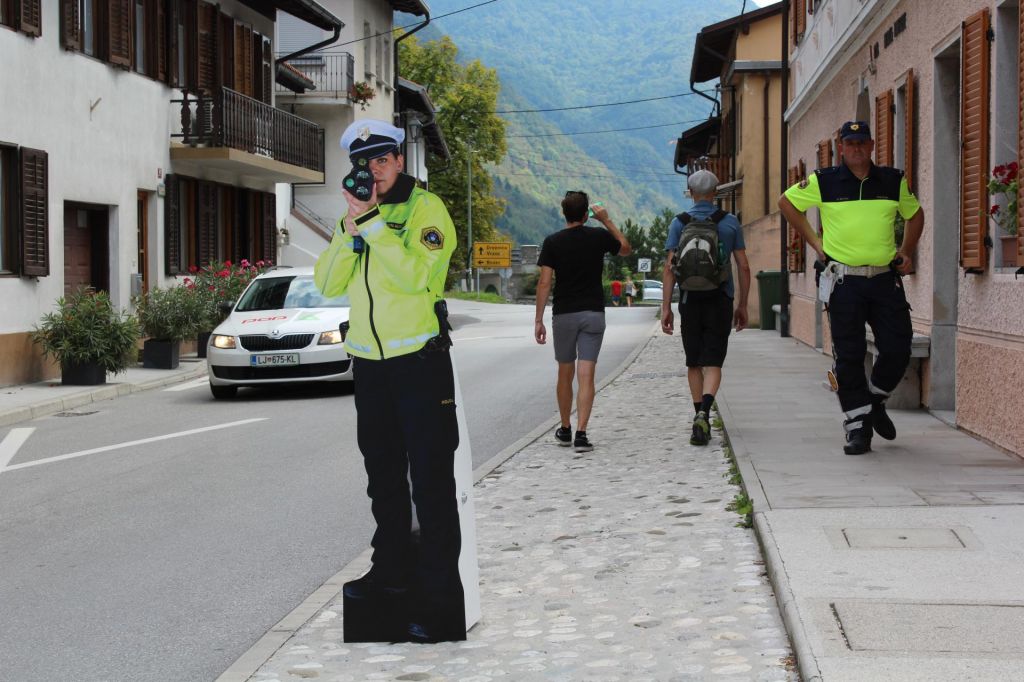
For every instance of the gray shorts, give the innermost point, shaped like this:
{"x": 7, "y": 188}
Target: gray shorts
{"x": 579, "y": 333}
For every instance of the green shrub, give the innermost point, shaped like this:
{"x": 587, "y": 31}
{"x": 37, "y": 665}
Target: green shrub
{"x": 86, "y": 328}
{"x": 173, "y": 314}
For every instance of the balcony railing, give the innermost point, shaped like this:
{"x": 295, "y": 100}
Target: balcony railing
{"x": 231, "y": 119}
{"x": 718, "y": 164}
{"x": 333, "y": 73}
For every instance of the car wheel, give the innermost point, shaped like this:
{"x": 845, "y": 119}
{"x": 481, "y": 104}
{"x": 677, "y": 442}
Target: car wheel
{"x": 223, "y": 392}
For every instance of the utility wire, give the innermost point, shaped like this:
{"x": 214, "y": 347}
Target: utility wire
{"x": 583, "y": 159}
{"x": 610, "y": 130}
{"x": 678, "y": 178}
{"x": 595, "y": 106}
{"x": 402, "y": 28}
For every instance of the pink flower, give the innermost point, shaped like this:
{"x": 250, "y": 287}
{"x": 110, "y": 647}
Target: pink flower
{"x": 227, "y": 264}
{"x": 994, "y": 209}
{"x": 193, "y": 269}
{"x": 245, "y": 263}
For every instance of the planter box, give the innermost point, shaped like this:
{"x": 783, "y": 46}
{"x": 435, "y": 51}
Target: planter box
{"x": 88, "y": 374}
{"x": 160, "y": 354}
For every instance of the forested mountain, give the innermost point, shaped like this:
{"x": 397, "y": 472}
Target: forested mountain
{"x": 572, "y": 53}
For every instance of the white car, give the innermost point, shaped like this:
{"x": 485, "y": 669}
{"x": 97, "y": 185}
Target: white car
{"x": 653, "y": 290}
{"x": 281, "y": 330}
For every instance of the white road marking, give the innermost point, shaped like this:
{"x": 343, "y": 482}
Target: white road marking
{"x": 195, "y": 383}
{"x": 11, "y": 443}
{"x": 143, "y": 441}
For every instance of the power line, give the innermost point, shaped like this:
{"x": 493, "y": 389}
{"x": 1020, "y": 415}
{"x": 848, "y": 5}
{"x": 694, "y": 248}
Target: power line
{"x": 402, "y": 28}
{"x": 611, "y": 130}
{"x": 679, "y": 178}
{"x": 595, "y": 106}
{"x": 585, "y": 159}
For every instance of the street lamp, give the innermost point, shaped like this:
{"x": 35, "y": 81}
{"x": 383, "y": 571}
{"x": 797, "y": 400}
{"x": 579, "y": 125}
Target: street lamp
{"x": 469, "y": 220}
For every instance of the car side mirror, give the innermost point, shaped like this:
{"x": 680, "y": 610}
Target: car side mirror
{"x": 225, "y": 307}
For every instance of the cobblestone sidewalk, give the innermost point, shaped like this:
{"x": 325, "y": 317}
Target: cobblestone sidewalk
{"x": 618, "y": 564}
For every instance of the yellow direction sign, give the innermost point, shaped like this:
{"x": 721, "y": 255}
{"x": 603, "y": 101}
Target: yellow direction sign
{"x": 492, "y": 254}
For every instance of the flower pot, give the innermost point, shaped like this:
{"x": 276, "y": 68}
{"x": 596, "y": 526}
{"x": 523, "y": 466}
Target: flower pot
{"x": 160, "y": 354}
{"x": 1008, "y": 252}
{"x": 84, "y": 374}
{"x": 202, "y": 341}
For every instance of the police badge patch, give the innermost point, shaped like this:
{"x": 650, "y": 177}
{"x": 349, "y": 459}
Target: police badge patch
{"x": 432, "y": 238}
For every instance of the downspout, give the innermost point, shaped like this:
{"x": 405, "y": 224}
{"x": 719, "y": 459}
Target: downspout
{"x": 783, "y": 158}
{"x": 311, "y": 48}
{"x": 767, "y": 140}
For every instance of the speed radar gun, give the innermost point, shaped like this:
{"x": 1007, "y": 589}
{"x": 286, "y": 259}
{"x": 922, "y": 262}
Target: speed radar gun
{"x": 384, "y": 616}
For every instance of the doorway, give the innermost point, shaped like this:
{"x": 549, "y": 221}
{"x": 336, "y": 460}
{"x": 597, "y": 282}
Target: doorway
{"x": 946, "y": 239}
{"x": 141, "y": 284}
{"x": 86, "y": 247}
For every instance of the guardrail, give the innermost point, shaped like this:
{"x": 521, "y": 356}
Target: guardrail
{"x": 333, "y": 73}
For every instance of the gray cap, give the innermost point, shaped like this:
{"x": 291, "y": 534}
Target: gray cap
{"x": 702, "y": 183}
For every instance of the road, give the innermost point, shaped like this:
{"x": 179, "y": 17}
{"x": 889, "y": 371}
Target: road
{"x": 157, "y": 536}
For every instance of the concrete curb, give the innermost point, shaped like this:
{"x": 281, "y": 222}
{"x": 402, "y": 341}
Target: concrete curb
{"x": 776, "y": 567}
{"x": 266, "y": 646}
{"x": 103, "y": 392}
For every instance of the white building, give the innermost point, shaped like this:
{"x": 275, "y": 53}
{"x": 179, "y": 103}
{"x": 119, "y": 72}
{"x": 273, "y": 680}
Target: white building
{"x": 138, "y": 138}
{"x": 366, "y": 54}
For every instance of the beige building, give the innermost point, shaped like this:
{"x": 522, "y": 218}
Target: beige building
{"x": 740, "y": 142}
{"x": 940, "y": 84}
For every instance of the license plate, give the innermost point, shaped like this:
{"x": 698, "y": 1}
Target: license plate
{"x": 276, "y": 360}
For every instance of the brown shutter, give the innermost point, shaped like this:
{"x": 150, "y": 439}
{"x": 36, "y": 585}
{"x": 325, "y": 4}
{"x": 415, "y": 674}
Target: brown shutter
{"x": 825, "y": 153}
{"x": 206, "y": 65}
{"x": 30, "y": 18}
{"x": 158, "y": 41}
{"x": 908, "y": 132}
{"x": 243, "y": 59}
{"x": 269, "y": 235}
{"x": 1020, "y": 134}
{"x": 119, "y": 32}
{"x": 795, "y": 252}
{"x": 71, "y": 24}
{"x": 267, "y": 72}
{"x": 256, "y": 68}
{"x": 172, "y": 224}
{"x": 974, "y": 110}
{"x": 35, "y": 231}
{"x": 800, "y": 7}
{"x": 206, "y": 225}
{"x": 883, "y": 129}
{"x": 226, "y": 35}
{"x": 839, "y": 146}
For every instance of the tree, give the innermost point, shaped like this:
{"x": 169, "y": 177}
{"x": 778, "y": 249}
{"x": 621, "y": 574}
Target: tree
{"x": 647, "y": 242}
{"x": 466, "y": 97}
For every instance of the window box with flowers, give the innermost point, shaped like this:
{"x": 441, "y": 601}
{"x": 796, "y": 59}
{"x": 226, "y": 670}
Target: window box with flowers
{"x": 1002, "y": 186}
{"x": 361, "y": 93}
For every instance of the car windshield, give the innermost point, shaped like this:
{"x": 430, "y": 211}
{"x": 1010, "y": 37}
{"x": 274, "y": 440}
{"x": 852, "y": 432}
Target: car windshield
{"x": 652, "y": 283}
{"x": 275, "y": 293}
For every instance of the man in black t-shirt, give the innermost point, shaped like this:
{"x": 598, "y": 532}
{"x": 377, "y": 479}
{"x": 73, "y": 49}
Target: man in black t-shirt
{"x": 575, "y": 256}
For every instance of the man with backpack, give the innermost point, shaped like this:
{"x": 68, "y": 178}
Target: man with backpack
{"x": 700, "y": 243}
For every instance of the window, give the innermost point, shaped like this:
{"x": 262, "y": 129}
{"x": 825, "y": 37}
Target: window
{"x": 903, "y": 129}
{"x": 387, "y": 60}
{"x": 140, "y": 36}
{"x": 367, "y": 49}
{"x": 8, "y": 236}
{"x": 974, "y": 126}
{"x": 1006, "y": 76}
{"x": 379, "y": 43}
{"x": 7, "y": 13}
{"x": 24, "y": 16}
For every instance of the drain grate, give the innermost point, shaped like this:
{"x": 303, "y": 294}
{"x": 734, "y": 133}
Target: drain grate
{"x": 75, "y": 414}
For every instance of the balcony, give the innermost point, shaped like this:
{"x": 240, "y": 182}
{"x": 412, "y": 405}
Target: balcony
{"x": 332, "y": 75}
{"x": 719, "y": 164}
{"x": 232, "y": 132}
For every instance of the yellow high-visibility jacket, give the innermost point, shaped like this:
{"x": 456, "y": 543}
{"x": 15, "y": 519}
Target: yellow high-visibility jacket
{"x": 394, "y": 283}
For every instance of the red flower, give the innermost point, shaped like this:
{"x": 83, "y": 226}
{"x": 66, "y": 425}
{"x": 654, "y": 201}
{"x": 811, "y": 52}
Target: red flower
{"x": 193, "y": 269}
{"x": 227, "y": 263}
{"x": 994, "y": 209}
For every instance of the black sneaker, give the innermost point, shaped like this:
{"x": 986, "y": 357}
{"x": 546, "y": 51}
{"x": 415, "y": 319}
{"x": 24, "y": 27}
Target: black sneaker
{"x": 563, "y": 435}
{"x": 858, "y": 435}
{"x": 701, "y": 429}
{"x": 581, "y": 443}
{"x": 881, "y": 421}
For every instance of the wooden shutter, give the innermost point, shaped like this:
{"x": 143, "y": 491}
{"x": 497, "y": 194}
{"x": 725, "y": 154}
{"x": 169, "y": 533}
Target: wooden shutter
{"x": 206, "y": 225}
{"x": 172, "y": 224}
{"x": 974, "y": 110}
{"x": 795, "y": 252}
{"x": 71, "y": 24}
{"x": 825, "y": 153}
{"x": 206, "y": 59}
{"x": 226, "y": 36}
{"x": 800, "y": 8}
{"x": 837, "y": 138}
{"x": 883, "y": 129}
{"x": 256, "y": 68}
{"x": 119, "y": 32}
{"x": 30, "y": 18}
{"x": 157, "y": 41}
{"x": 243, "y": 59}
{"x": 35, "y": 230}
{"x": 908, "y": 131}
{"x": 267, "y": 72}
{"x": 269, "y": 235}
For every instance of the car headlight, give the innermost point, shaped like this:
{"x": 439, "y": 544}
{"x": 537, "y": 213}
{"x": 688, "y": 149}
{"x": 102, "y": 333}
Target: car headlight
{"x": 222, "y": 341}
{"x": 330, "y": 338}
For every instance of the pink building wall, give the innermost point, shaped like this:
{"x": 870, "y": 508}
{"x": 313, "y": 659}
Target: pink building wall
{"x": 988, "y": 371}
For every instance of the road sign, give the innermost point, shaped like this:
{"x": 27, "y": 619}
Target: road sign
{"x": 492, "y": 254}
{"x": 643, "y": 264}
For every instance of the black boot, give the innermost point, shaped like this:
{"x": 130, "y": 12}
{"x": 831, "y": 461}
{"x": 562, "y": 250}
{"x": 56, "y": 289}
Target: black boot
{"x": 880, "y": 419}
{"x": 858, "y": 435}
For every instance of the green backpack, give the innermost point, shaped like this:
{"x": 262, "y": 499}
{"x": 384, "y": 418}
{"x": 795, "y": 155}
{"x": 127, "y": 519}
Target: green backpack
{"x": 698, "y": 260}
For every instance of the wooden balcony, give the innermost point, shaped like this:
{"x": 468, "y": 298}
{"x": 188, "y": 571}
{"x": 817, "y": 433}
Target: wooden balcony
{"x": 232, "y": 132}
{"x": 719, "y": 164}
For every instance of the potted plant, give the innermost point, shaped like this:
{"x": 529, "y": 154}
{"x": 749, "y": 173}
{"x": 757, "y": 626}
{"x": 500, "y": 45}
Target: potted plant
{"x": 168, "y": 317}
{"x": 1003, "y": 181}
{"x": 360, "y": 93}
{"x": 88, "y": 337}
{"x": 214, "y": 284}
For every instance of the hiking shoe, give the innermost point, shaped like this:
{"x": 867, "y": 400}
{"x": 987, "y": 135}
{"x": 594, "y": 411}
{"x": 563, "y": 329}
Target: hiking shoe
{"x": 858, "y": 435}
{"x": 701, "y": 429}
{"x": 563, "y": 436}
{"x": 881, "y": 421}
{"x": 582, "y": 443}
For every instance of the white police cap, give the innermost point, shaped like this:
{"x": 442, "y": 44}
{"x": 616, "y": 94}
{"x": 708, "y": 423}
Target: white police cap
{"x": 369, "y": 138}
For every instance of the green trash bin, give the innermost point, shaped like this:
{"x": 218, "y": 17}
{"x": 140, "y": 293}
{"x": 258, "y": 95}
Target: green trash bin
{"x": 769, "y": 290}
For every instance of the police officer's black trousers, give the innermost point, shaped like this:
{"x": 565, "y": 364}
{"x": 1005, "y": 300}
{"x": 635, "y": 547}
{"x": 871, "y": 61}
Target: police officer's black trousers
{"x": 407, "y": 427}
{"x": 880, "y": 302}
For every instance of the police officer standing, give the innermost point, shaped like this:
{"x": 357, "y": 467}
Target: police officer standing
{"x": 390, "y": 255}
{"x": 861, "y": 267}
